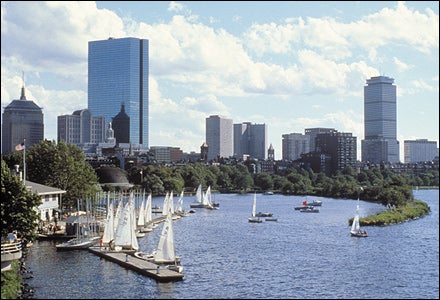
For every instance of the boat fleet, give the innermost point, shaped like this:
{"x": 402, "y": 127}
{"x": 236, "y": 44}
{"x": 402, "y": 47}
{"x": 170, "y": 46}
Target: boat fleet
{"x": 126, "y": 222}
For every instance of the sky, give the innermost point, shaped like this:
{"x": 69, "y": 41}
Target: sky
{"x": 288, "y": 64}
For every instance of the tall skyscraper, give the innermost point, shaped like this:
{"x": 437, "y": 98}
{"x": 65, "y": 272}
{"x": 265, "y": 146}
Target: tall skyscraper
{"x": 219, "y": 137}
{"x": 118, "y": 72}
{"x": 250, "y": 139}
{"x": 380, "y": 121}
{"x": 22, "y": 120}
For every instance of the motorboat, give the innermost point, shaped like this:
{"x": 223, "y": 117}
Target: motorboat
{"x": 310, "y": 209}
{"x": 315, "y": 203}
{"x": 266, "y": 214}
{"x": 78, "y": 243}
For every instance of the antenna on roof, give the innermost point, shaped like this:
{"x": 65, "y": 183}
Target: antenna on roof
{"x": 23, "y": 96}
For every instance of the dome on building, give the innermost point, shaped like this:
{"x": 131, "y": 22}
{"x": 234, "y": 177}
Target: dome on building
{"x": 114, "y": 176}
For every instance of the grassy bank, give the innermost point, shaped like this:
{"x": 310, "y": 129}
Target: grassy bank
{"x": 11, "y": 282}
{"x": 411, "y": 211}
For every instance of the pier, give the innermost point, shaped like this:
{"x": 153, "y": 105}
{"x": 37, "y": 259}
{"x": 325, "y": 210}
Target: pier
{"x": 129, "y": 261}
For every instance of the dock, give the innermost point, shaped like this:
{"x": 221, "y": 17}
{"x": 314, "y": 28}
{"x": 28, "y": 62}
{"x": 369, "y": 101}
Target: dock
{"x": 129, "y": 261}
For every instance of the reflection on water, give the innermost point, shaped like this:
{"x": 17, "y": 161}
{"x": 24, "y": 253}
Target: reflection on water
{"x": 225, "y": 256}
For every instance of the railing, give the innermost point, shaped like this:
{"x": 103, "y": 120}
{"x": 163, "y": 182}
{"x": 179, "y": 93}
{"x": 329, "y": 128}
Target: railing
{"x": 10, "y": 252}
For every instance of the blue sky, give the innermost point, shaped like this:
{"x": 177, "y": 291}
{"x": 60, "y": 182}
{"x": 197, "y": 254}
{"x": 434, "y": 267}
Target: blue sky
{"x": 289, "y": 65}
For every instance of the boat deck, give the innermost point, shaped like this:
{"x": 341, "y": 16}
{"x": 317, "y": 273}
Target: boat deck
{"x": 129, "y": 261}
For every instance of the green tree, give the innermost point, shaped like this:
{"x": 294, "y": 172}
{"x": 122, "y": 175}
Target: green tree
{"x": 62, "y": 166}
{"x": 18, "y": 206}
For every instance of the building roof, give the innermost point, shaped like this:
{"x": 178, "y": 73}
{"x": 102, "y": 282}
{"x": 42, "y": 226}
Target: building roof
{"x": 41, "y": 189}
{"x": 23, "y": 104}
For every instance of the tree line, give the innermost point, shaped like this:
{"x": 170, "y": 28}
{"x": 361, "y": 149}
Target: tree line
{"x": 64, "y": 166}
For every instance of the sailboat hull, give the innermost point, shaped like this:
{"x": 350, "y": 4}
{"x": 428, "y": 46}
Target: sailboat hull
{"x": 358, "y": 234}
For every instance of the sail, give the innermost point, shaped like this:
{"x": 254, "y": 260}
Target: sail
{"x": 199, "y": 194}
{"x": 141, "y": 215}
{"x": 355, "y": 226}
{"x": 171, "y": 203}
{"x": 179, "y": 206}
{"x": 165, "y": 248}
{"x": 109, "y": 229}
{"x": 207, "y": 197}
{"x": 134, "y": 242}
{"x": 165, "y": 204}
{"x": 118, "y": 214}
{"x": 148, "y": 211}
{"x": 254, "y": 206}
{"x": 123, "y": 231}
{"x": 125, "y": 235}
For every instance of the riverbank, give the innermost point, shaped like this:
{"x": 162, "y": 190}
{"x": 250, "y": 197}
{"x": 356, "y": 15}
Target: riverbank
{"x": 411, "y": 211}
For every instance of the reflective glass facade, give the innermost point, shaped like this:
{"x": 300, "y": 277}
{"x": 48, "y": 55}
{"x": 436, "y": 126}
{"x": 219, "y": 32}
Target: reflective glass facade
{"x": 118, "y": 71}
{"x": 380, "y": 121}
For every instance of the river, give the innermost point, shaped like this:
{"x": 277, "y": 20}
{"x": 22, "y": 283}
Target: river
{"x": 302, "y": 255}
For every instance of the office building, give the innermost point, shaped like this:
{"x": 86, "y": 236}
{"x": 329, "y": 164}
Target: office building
{"x": 22, "y": 121}
{"x": 380, "y": 121}
{"x": 313, "y": 133}
{"x": 293, "y": 145}
{"x": 219, "y": 137}
{"x": 340, "y": 147}
{"x": 80, "y": 128}
{"x": 118, "y": 71}
{"x": 419, "y": 150}
{"x": 250, "y": 139}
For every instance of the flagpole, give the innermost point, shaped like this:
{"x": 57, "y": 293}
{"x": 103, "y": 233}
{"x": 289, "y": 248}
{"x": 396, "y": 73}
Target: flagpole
{"x": 24, "y": 162}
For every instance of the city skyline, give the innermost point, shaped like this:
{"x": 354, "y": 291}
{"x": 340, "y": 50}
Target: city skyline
{"x": 296, "y": 65}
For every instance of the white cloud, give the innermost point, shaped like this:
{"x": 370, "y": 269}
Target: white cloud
{"x": 197, "y": 70}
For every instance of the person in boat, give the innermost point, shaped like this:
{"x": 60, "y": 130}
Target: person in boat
{"x": 12, "y": 237}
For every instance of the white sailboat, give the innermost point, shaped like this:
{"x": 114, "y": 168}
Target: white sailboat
{"x": 356, "y": 230}
{"x": 165, "y": 252}
{"x": 199, "y": 197}
{"x": 254, "y": 218}
{"x": 109, "y": 231}
{"x": 83, "y": 239}
{"x": 125, "y": 235}
{"x": 179, "y": 207}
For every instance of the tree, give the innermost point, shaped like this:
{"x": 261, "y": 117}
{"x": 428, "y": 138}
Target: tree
{"x": 62, "y": 166}
{"x": 18, "y": 206}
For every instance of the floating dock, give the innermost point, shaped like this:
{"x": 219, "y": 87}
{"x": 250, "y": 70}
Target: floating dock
{"x": 129, "y": 261}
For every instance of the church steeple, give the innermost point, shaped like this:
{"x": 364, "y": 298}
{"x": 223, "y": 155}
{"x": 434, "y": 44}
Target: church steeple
{"x": 23, "y": 96}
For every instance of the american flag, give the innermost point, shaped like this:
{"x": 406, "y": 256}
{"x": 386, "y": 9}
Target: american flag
{"x": 20, "y": 147}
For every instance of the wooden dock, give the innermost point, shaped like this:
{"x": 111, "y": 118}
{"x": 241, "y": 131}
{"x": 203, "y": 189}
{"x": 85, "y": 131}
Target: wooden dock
{"x": 129, "y": 261}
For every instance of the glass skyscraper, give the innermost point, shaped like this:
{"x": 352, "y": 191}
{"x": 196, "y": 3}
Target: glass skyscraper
{"x": 380, "y": 121}
{"x": 118, "y": 71}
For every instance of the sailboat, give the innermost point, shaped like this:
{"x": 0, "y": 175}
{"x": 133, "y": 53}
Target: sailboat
{"x": 199, "y": 197}
{"x": 83, "y": 239}
{"x": 254, "y": 218}
{"x": 165, "y": 252}
{"x": 179, "y": 208}
{"x": 125, "y": 235}
{"x": 356, "y": 226}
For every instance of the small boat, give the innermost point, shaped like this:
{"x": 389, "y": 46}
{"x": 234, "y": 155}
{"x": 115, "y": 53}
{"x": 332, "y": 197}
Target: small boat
{"x": 356, "y": 230}
{"x": 266, "y": 214}
{"x": 78, "y": 243}
{"x": 310, "y": 209}
{"x": 268, "y": 193}
{"x": 254, "y": 218}
{"x": 271, "y": 219}
{"x": 315, "y": 203}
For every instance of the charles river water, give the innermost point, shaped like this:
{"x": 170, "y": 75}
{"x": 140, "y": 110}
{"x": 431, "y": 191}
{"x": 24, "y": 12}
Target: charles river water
{"x": 302, "y": 255}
